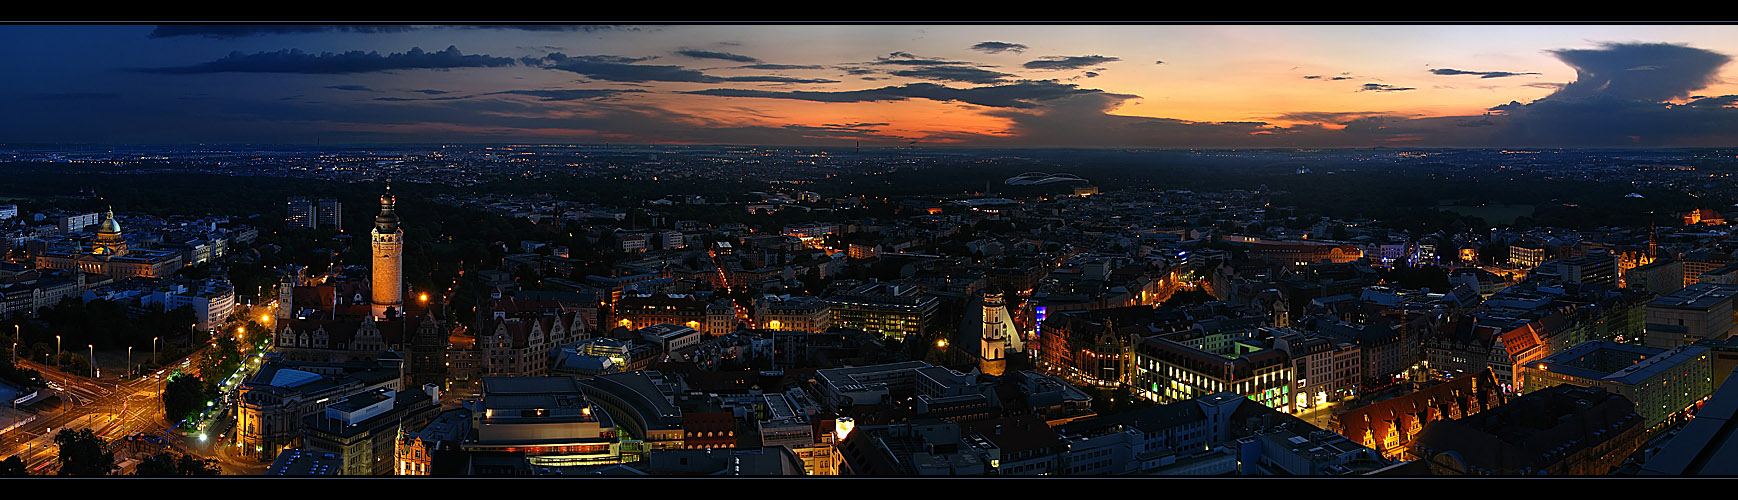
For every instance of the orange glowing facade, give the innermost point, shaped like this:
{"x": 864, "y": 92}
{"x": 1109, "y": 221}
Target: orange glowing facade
{"x": 387, "y": 280}
{"x": 1390, "y": 426}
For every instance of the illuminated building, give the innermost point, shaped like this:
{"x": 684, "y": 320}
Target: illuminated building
{"x": 1704, "y": 216}
{"x": 548, "y": 420}
{"x": 518, "y": 341}
{"x": 1085, "y": 348}
{"x": 1526, "y": 254}
{"x": 273, "y": 404}
{"x": 1701, "y": 261}
{"x": 77, "y": 222}
{"x": 1699, "y": 311}
{"x": 788, "y": 312}
{"x": 1703, "y": 446}
{"x": 110, "y": 256}
{"x": 636, "y": 311}
{"x": 298, "y": 213}
{"x": 387, "y": 241}
{"x": 329, "y": 212}
{"x": 1597, "y": 267}
{"x": 707, "y": 430}
{"x": 998, "y": 336}
{"x": 1326, "y": 370}
{"x": 417, "y": 447}
{"x": 1561, "y": 431}
{"x": 362, "y": 430}
{"x": 1390, "y": 426}
{"x": 896, "y": 311}
{"x": 640, "y": 404}
{"x": 1662, "y": 383}
{"x": 1176, "y": 367}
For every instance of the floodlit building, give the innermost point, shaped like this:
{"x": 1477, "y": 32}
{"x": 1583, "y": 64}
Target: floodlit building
{"x": 896, "y": 311}
{"x": 109, "y": 255}
{"x": 1663, "y": 383}
{"x": 548, "y": 420}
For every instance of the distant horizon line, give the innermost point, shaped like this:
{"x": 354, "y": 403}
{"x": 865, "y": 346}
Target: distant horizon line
{"x": 36, "y": 145}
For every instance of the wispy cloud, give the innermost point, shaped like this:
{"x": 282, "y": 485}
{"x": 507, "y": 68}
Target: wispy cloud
{"x": 356, "y": 61}
{"x": 1069, "y": 62}
{"x": 999, "y": 47}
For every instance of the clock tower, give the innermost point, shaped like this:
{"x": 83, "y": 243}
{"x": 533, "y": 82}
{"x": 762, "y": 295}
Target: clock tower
{"x": 387, "y": 278}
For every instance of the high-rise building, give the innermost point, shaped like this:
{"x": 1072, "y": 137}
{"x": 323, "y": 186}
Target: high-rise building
{"x": 77, "y": 223}
{"x": 298, "y": 213}
{"x": 387, "y": 278}
{"x": 328, "y": 212}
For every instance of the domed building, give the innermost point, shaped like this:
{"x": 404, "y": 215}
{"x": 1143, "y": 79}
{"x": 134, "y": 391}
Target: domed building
{"x": 110, "y": 256}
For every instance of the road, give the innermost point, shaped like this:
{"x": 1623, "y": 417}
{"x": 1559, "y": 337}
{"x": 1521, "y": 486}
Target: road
{"x": 113, "y": 408}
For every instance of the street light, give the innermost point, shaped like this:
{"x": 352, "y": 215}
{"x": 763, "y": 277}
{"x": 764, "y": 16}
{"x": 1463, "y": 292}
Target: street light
{"x": 95, "y": 372}
{"x": 153, "y": 350}
{"x": 57, "y": 351}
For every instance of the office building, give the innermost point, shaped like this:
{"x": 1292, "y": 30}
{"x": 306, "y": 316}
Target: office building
{"x": 328, "y": 212}
{"x": 1664, "y": 384}
{"x": 298, "y": 213}
{"x": 1699, "y": 311}
{"x": 897, "y": 311}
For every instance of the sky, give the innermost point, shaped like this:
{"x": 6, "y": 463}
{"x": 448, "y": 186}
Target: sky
{"x": 1091, "y": 86}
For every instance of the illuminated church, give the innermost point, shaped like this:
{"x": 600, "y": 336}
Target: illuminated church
{"x": 110, "y": 256}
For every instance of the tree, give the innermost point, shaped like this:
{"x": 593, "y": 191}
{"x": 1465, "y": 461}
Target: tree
{"x": 183, "y": 395}
{"x": 168, "y": 464}
{"x": 13, "y": 467}
{"x": 81, "y": 454}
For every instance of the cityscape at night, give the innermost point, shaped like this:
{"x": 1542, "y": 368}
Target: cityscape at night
{"x": 878, "y": 250}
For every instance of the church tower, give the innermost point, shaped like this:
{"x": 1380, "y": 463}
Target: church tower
{"x": 993, "y": 344}
{"x": 387, "y": 277}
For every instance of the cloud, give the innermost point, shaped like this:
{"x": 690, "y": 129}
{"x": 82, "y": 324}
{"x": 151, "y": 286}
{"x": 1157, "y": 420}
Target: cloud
{"x": 430, "y": 91}
{"x": 999, "y": 47}
{"x": 1614, "y": 101}
{"x": 352, "y": 88}
{"x": 244, "y": 30}
{"x": 1338, "y": 78}
{"x": 355, "y": 61}
{"x": 1639, "y": 71}
{"x": 1482, "y": 74}
{"x": 624, "y": 69}
{"x": 1072, "y": 62}
{"x": 1019, "y": 95}
{"x": 1158, "y": 62}
{"x": 781, "y": 66}
{"x": 1382, "y": 87}
{"x": 1335, "y": 117}
{"x": 907, "y": 59}
{"x": 1312, "y": 77}
{"x": 1090, "y": 74}
{"x": 707, "y": 54}
{"x": 955, "y": 74}
{"x": 569, "y": 94}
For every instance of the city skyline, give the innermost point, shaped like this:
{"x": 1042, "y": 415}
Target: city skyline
{"x": 1115, "y": 86}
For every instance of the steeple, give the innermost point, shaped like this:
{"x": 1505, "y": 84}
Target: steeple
{"x": 387, "y": 221}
